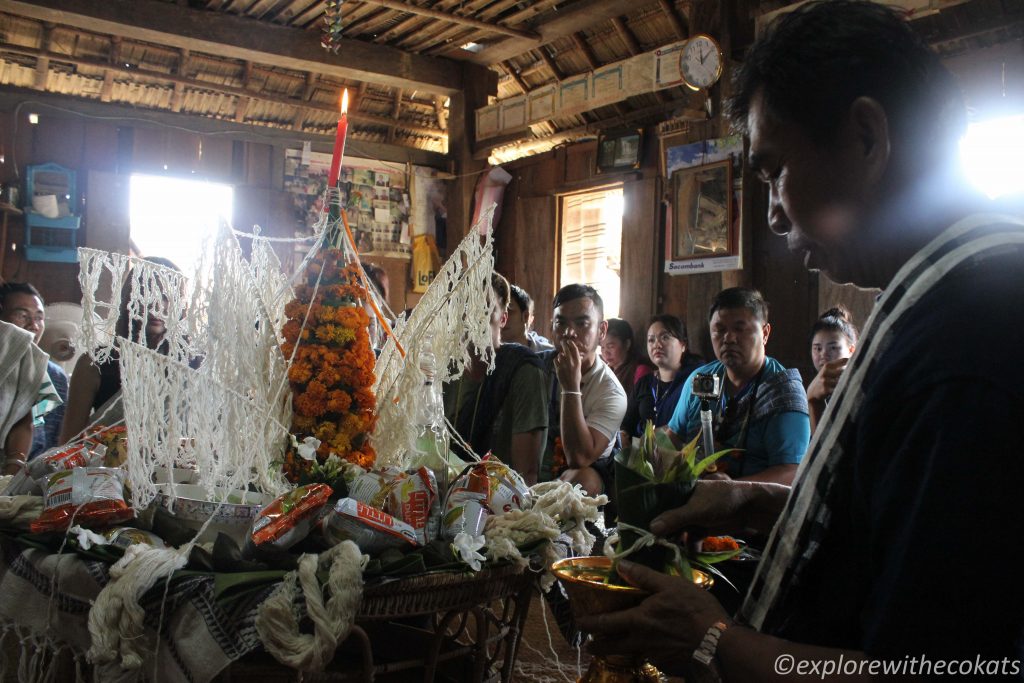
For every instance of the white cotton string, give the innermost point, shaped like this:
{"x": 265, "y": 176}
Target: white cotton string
{"x": 454, "y": 315}
{"x": 255, "y": 235}
{"x": 277, "y": 622}
{"x": 116, "y": 618}
{"x": 645, "y": 540}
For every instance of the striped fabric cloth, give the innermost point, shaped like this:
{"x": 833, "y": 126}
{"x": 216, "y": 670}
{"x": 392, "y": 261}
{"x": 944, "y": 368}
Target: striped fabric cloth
{"x": 805, "y": 521}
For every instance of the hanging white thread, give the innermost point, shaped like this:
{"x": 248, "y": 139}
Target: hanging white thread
{"x": 454, "y": 314}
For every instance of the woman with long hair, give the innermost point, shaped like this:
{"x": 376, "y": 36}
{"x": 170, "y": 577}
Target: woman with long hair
{"x": 655, "y": 395}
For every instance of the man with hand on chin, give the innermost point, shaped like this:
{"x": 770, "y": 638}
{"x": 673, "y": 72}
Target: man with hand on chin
{"x": 762, "y": 411}
{"x": 588, "y": 402}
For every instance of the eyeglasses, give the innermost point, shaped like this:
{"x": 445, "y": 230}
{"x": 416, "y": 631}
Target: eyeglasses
{"x": 22, "y": 317}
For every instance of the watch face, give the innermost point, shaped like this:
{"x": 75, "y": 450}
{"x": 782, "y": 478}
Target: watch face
{"x": 701, "y": 62}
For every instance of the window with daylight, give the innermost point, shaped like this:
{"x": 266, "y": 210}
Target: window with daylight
{"x": 592, "y": 243}
{"x": 175, "y": 218}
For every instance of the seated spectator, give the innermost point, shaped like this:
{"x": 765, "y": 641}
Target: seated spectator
{"x": 519, "y": 328}
{"x": 621, "y": 355}
{"x": 22, "y": 373}
{"x": 762, "y": 411}
{"x": 506, "y": 411}
{"x": 22, "y": 305}
{"x": 96, "y": 389}
{"x": 655, "y": 395}
{"x": 588, "y": 403}
{"x": 833, "y": 341}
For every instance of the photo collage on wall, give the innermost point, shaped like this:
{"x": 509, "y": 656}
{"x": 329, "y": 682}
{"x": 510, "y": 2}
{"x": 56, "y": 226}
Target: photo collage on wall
{"x": 375, "y": 194}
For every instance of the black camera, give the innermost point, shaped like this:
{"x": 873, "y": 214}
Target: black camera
{"x": 707, "y": 386}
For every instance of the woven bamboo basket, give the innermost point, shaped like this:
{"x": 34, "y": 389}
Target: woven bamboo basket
{"x": 441, "y": 592}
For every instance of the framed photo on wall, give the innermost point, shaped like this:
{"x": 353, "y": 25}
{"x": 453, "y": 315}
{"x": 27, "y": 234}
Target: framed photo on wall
{"x": 619, "y": 151}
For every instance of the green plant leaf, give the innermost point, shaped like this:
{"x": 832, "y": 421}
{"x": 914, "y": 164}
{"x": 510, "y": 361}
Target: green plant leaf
{"x": 710, "y": 460}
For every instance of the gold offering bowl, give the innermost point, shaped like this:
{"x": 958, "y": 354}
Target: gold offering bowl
{"x": 585, "y": 580}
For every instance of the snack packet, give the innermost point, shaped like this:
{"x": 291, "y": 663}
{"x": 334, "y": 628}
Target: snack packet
{"x": 90, "y": 496}
{"x": 506, "y": 490}
{"x": 374, "y": 488}
{"x": 371, "y": 529}
{"x": 290, "y": 517}
{"x": 124, "y": 536}
{"x": 413, "y": 499}
{"x": 466, "y": 510}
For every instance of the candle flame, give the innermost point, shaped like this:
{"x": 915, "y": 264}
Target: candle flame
{"x": 344, "y": 101}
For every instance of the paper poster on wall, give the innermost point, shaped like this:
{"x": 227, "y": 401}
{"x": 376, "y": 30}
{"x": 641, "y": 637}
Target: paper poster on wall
{"x": 703, "y": 209}
{"x": 573, "y": 94}
{"x": 542, "y": 103}
{"x": 607, "y": 84}
{"x": 513, "y": 113}
{"x": 487, "y": 121}
{"x": 666, "y": 66}
{"x": 373, "y": 193}
{"x": 429, "y": 213}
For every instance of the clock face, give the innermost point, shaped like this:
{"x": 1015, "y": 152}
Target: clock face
{"x": 701, "y": 62}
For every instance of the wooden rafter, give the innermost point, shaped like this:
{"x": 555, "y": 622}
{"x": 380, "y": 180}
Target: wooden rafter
{"x": 550, "y": 62}
{"x": 454, "y": 18}
{"x": 578, "y": 17}
{"x": 669, "y": 12}
{"x": 43, "y": 64}
{"x": 114, "y": 57}
{"x": 510, "y": 69}
{"x": 241, "y": 38}
{"x": 181, "y": 82}
{"x": 442, "y": 119}
{"x": 632, "y": 45}
{"x": 584, "y": 48}
{"x": 435, "y": 32}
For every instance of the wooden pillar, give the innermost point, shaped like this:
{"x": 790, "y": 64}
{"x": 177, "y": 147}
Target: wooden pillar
{"x": 480, "y": 83}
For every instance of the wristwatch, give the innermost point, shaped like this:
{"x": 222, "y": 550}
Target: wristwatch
{"x": 705, "y": 652}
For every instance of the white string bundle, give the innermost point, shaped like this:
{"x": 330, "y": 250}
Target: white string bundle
{"x": 454, "y": 317}
{"x": 116, "y": 617}
{"x": 559, "y": 508}
{"x": 273, "y": 285}
{"x": 278, "y": 623}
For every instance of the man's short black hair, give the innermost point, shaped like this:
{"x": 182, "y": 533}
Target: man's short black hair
{"x": 578, "y": 291}
{"x": 740, "y": 297}
{"x": 8, "y": 288}
{"x": 812, "y": 63}
{"x": 521, "y": 298}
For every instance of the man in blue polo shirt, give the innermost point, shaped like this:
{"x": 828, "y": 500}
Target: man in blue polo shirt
{"x": 762, "y": 411}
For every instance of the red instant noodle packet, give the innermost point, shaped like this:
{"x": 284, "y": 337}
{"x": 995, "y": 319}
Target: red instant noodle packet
{"x": 291, "y": 516}
{"x": 88, "y": 496}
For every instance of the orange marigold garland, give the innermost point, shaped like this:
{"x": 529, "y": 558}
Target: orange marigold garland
{"x": 331, "y": 374}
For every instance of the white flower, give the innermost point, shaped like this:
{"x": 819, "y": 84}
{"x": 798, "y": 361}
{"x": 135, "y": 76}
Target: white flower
{"x": 86, "y": 538}
{"x": 466, "y": 547}
{"x": 307, "y": 449}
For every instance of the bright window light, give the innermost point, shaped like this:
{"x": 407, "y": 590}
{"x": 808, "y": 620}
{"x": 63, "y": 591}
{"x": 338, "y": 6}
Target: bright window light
{"x": 991, "y": 153}
{"x": 592, "y": 243}
{"x": 176, "y": 218}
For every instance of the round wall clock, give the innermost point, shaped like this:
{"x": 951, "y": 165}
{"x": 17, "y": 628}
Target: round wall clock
{"x": 701, "y": 62}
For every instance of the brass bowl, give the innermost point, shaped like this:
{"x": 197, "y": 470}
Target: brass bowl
{"x": 585, "y": 581}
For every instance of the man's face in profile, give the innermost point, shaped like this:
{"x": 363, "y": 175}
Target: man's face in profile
{"x": 816, "y": 193}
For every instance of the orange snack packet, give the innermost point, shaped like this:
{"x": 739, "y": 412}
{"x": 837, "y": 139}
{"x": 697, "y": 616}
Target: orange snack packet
{"x": 88, "y": 496}
{"x": 288, "y": 519}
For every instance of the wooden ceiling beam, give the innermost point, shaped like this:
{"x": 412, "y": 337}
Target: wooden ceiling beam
{"x": 241, "y": 38}
{"x": 669, "y": 12}
{"x": 510, "y": 69}
{"x": 632, "y": 45}
{"x": 550, "y": 62}
{"x": 454, "y": 19}
{"x": 357, "y": 145}
{"x": 43, "y": 63}
{"x": 113, "y": 57}
{"x": 577, "y": 17}
{"x": 584, "y": 48}
{"x": 181, "y": 82}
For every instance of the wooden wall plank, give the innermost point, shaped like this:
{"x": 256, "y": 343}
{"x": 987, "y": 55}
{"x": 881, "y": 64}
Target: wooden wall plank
{"x": 639, "y": 273}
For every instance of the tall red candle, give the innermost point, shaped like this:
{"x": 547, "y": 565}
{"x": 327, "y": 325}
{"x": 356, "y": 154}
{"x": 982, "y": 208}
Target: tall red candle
{"x": 339, "y": 142}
